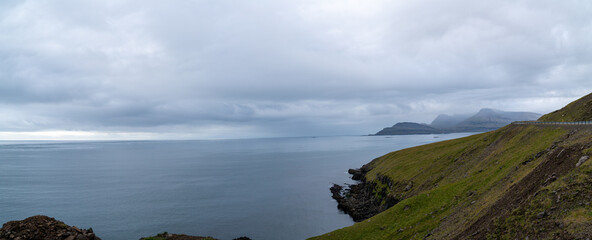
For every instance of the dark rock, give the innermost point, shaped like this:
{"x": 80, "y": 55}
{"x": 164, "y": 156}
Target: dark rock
{"x": 336, "y": 191}
{"x": 81, "y": 237}
{"x": 359, "y": 174}
{"x": 43, "y": 227}
{"x": 536, "y": 156}
{"x": 360, "y": 201}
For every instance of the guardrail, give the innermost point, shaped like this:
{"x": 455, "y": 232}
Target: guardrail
{"x": 551, "y": 123}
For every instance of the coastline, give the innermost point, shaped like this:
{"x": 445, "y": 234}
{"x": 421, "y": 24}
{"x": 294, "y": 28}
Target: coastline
{"x": 48, "y": 228}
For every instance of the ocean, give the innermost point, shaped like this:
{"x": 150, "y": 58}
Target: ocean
{"x": 274, "y": 188}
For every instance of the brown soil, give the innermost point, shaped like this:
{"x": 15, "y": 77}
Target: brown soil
{"x": 44, "y": 228}
{"x": 558, "y": 161}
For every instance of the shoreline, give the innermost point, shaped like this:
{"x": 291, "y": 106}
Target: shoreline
{"x": 48, "y": 228}
{"x": 360, "y": 201}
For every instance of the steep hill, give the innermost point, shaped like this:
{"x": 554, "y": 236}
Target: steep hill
{"x": 579, "y": 110}
{"x": 406, "y": 128}
{"x": 516, "y": 182}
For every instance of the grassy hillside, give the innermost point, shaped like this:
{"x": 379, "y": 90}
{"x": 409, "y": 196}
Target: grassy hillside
{"x": 579, "y": 110}
{"x": 490, "y": 185}
{"x": 560, "y": 210}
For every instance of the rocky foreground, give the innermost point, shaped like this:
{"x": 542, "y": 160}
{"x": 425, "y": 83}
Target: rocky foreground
{"x": 47, "y": 228}
{"x": 44, "y": 228}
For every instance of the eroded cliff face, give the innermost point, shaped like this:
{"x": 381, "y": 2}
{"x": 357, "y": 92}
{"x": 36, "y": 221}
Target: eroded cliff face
{"x": 364, "y": 199}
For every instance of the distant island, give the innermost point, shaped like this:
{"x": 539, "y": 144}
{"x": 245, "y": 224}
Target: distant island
{"x": 485, "y": 120}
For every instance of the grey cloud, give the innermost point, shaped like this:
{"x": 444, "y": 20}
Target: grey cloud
{"x": 327, "y": 67}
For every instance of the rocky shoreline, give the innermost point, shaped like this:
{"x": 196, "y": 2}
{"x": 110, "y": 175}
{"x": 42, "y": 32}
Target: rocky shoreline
{"x": 361, "y": 201}
{"x": 46, "y": 228}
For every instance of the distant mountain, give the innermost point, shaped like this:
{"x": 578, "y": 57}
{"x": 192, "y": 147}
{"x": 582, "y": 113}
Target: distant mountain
{"x": 408, "y": 128}
{"x": 444, "y": 121}
{"x": 485, "y": 120}
{"x": 490, "y": 119}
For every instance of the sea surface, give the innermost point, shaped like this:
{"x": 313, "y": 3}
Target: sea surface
{"x": 276, "y": 188}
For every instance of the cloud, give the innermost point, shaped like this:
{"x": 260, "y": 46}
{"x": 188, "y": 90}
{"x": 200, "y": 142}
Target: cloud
{"x": 283, "y": 68}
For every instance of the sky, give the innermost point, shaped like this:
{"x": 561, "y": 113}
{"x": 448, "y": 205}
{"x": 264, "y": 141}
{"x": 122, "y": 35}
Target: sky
{"x": 208, "y": 69}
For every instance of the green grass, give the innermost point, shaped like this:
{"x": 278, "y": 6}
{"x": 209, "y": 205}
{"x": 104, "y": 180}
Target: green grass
{"x": 567, "y": 204}
{"x": 579, "y": 110}
{"x": 454, "y": 181}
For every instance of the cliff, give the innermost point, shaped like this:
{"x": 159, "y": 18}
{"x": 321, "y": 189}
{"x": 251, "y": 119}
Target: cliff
{"x": 516, "y": 182}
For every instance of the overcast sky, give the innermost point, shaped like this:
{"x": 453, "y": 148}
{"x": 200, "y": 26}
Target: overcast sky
{"x": 266, "y": 68}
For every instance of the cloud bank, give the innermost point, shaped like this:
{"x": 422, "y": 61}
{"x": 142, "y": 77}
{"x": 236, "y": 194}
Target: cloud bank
{"x": 230, "y": 69}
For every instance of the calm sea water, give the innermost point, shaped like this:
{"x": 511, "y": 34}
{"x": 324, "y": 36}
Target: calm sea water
{"x": 261, "y": 188}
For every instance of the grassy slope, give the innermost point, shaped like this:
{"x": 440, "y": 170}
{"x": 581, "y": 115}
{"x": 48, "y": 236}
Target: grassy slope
{"x": 453, "y": 182}
{"x": 457, "y": 182}
{"x": 559, "y": 211}
{"x": 579, "y": 110}
{"x": 566, "y": 204}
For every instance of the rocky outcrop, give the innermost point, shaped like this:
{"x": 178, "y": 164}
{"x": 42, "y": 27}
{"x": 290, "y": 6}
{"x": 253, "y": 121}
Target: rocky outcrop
{"x": 44, "y": 228}
{"x": 362, "y": 200}
{"x": 359, "y": 174}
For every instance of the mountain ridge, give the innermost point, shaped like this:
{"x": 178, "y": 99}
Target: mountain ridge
{"x": 486, "y": 119}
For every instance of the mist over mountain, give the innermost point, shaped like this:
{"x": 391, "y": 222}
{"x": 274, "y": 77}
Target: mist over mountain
{"x": 490, "y": 119}
{"x": 486, "y": 119}
{"x": 448, "y": 121}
